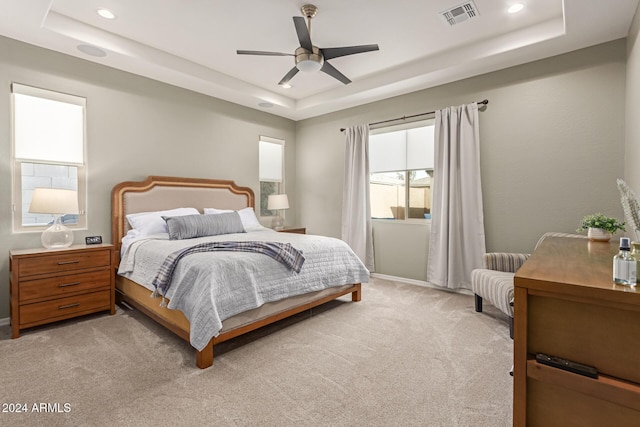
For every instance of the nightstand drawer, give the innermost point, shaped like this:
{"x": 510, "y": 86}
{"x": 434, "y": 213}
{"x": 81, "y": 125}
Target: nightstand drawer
{"x": 64, "y": 285}
{"x": 64, "y": 261}
{"x": 42, "y": 312}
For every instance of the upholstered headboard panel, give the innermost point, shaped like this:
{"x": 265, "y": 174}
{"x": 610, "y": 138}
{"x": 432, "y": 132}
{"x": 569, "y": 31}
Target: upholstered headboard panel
{"x": 162, "y": 193}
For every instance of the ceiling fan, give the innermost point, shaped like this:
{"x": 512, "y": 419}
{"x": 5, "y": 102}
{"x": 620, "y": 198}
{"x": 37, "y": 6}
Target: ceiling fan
{"x": 311, "y": 58}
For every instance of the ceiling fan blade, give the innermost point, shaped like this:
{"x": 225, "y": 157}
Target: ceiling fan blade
{"x": 260, "y": 52}
{"x": 288, "y": 76}
{"x": 303, "y": 33}
{"x": 336, "y": 52}
{"x": 331, "y": 70}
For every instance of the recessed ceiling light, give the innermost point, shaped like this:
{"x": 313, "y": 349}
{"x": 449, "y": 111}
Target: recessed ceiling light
{"x": 515, "y": 8}
{"x": 265, "y": 105}
{"x": 286, "y": 85}
{"x": 106, "y": 14}
{"x": 91, "y": 50}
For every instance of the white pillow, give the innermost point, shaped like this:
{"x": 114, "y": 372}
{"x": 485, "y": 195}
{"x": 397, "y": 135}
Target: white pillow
{"x": 153, "y": 223}
{"x": 247, "y": 216}
{"x": 214, "y": 211}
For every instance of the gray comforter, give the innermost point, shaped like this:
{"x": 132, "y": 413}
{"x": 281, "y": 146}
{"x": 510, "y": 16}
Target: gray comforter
{"x": 210, "y": 287}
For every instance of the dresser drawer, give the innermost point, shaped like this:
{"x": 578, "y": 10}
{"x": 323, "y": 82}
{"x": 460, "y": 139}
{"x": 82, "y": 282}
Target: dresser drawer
{"x": 63, "y": 285}
{"x": 64, "y": 261}
{"x": 42, "y": 312}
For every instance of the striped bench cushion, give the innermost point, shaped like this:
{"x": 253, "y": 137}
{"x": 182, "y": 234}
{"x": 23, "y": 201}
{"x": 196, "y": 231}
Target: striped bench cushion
{"x": 496, "y": 287}
{"x": 504, "y": 261}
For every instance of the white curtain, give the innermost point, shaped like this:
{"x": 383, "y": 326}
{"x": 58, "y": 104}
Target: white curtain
{"x": 457, "y": 241}
{"x": 356, "y": 207}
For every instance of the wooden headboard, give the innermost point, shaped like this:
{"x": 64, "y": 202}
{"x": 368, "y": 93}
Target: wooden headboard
{"x": 162, "y": 192}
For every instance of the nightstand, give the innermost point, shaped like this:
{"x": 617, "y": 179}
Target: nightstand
{"x": 48, "y": 285}
{"x": 298, "y": 230}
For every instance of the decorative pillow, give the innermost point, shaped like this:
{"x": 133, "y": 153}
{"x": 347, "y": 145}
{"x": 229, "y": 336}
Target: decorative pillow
{"x": 152, "y": 222}
{"x": 192, "y": 226}
{"x": 247, "y": 215}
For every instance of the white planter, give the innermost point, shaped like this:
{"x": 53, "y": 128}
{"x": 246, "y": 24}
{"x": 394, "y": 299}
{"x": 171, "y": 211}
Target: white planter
{"x": 598, "y": 235}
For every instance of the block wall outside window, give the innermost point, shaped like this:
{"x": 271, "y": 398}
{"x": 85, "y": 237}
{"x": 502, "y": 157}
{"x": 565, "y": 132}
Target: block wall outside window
{"x": 36, "y": 175}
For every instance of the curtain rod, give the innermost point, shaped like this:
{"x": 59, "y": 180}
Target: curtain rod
{"x": 483, "y": 102}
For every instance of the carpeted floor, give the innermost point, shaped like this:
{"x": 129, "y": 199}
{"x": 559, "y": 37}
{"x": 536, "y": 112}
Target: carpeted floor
{"x": 403, "y": 356}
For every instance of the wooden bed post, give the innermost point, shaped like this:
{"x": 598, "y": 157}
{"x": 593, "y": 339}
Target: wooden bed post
{"x": 204, "y": 358}
{"x": 357, "y": 294}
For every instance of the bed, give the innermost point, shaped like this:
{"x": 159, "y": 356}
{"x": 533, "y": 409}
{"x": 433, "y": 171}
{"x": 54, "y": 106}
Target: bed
{"x": 133, "y": 199}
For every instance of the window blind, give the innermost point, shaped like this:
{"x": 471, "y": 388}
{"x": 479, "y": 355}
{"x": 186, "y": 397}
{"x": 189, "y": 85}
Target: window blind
{"x": 405, "y": 149}
{"x": 59, "y": 134}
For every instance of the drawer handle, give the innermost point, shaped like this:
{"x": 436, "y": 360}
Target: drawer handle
{"x": 62, "y": 307}
{"x": 68, "y": 262}
{"x": 64, "y": 285}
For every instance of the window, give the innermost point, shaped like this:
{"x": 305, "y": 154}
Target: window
{"x": 271, "y": 157}
{"x": 48, "y": 152}
{"x": 401, "y": 162}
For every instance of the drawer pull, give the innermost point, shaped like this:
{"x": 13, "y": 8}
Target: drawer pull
{"x": 64, "y": 285}
{"x": 68, "y": 262}
{"x": 62, "y": 307}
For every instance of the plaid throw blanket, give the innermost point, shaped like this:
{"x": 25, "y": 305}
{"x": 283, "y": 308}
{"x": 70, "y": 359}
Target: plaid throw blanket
{"x": 281, "y": 252}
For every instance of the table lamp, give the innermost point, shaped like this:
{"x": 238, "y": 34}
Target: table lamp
{"x": 57, "y": 202}
{"x": 277, "y": 202}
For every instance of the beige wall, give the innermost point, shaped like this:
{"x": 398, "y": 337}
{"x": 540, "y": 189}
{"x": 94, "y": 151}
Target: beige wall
{"x": 135, "y": 127}
{"x": 632, "y": 137}
{"x": 552, "y": 146}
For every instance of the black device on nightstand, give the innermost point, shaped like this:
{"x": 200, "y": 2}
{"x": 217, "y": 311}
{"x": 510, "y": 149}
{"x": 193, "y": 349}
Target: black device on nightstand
{"x": 93, "y": 240}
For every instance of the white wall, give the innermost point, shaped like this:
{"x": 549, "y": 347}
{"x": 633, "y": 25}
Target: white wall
{"x": 552, "y": 141}
{"x": 135, "y": 127}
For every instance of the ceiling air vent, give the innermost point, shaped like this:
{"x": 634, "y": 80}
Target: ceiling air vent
{"x": 460, "y": 13}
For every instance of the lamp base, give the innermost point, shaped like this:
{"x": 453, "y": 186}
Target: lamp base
{"x": 57, "y": 236}
{"x": 277, "y": 223}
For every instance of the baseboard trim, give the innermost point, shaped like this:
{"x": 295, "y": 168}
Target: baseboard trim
{"x": 418, "y": 283}
{"x": 4, "y": 322}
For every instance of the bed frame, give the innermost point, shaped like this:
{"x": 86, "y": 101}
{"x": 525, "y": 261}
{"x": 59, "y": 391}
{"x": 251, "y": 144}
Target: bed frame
{"x": 161, "y": 193}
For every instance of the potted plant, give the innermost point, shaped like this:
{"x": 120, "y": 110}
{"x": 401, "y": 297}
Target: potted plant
{"x": 600, "y": 228}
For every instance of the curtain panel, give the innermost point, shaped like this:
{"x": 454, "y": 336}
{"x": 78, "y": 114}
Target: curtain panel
{"x": 457, "y": 239}
{"x": 357, "y": 230}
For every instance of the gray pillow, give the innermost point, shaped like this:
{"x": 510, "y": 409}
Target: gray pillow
{"x": 191, "y": 226}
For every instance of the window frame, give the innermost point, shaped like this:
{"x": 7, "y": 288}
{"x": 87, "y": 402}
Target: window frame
{"x": 17, "y": 162}
{"x": 281, "y": 189}
{"x": 407, "y": 185}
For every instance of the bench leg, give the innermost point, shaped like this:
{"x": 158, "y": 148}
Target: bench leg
{"x": 478, "y": 303}
{"x": 511, "y": 327}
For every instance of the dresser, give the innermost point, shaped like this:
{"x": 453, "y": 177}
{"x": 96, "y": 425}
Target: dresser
{"x": 49, "y": 285}
{"x": 566, "y": 305}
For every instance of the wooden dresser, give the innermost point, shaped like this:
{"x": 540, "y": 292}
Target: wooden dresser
{"x": 566, "y": 305}
{"x": 51, "y": 285}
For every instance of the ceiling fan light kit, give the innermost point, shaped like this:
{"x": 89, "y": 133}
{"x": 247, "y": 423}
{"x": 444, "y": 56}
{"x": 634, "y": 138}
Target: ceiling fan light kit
{"x": 309, "y": 61}
{"x": 310, "y": 58}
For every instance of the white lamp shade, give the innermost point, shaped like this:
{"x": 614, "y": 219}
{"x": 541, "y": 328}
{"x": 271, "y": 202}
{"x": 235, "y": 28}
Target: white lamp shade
{"x": 277, "y": 201}
{"x": 54, "y": 201}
